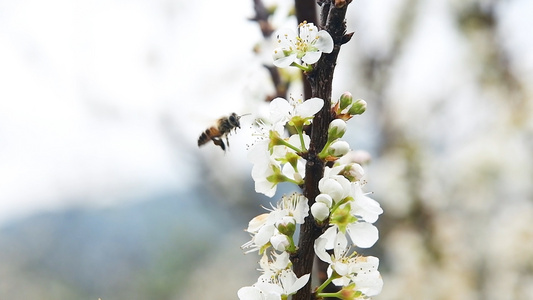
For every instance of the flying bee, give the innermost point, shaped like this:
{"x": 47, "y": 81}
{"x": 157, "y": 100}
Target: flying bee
{"x": 221, "y": 130}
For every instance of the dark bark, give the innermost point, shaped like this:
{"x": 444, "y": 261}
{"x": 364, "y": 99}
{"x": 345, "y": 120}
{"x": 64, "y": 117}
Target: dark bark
{"x": 320, "y": 82}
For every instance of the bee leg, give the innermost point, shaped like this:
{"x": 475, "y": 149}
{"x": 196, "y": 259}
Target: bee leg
{"x": 219, "y": 142}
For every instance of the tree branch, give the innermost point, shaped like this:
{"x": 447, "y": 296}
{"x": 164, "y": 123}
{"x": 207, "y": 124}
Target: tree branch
{"x": 320, "y": 81}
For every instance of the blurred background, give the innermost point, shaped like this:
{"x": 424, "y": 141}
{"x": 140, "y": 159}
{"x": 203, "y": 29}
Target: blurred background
{"x": 105, "y": 194}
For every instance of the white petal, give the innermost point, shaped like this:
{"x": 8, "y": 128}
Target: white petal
{"x": 290, "y": 282}
{"x": 363, "y": 234}
{"x": 280, "y": 242}
{"x": 262, "y": 185}
{"x": 302, "y": 210}
{"x": 320, "y": 211}
{"x": 285, "y": 37}
{"x": 256, "y": 223}
{"x": 339, "y": 125}
{"x": 300, "y": 283}
{"x": 368, "y": 279}
{"x": 324, "y": 42}
{"x": 309, "y": 107}
{"x": 285, "y": 61}
{"x": 258, "y": 153}
{"x": 279, "y": 110}
{"x": 263, "y": 235}
{"x": 288, "y": 171}
{"x": 343, "y": 281}
{"x": 320, "y": 250}
{"x": 331, "y": 187}
{"x": 249, "y": 293}
{"x": 311, "y": 57}
{"x": 272, "y": 291}
{"x": 324, "y": 198}
{"x": 282, "y": 261}
{"x": 273, "y": 296}
{"x": 340, "y": 245}
{"x": 371, "y": 286}
{"x": 330, "y": 235}
{"x": 278, "y": 53}
{"x": 295, "y": 141}
{"x": 341, "y": 268}
{"x": 308, "y": 32}
{"x": 339, "y": 148}
{"x": 364, "y": 206}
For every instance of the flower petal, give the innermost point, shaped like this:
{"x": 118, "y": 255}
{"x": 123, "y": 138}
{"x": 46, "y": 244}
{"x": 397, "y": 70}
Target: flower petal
{"x": 324, "y": 42}
{"x": 283, "y": 62}
{"x": 279, "y": 110}
{"x": 256, "y": 223}
{"x": 320, "y": 250}
{"x": 291, "y": 284}
{"x": 363, "y": 234}
{"x": 340, "y": 244}
{"x": 309, "y": 107}
{"x": 264, "y": 234}
{"x": 301, "y": 210}
{"x": 286, "y": 37}
{"x": 249, "y": 293}
{"x": 311, "y": 57}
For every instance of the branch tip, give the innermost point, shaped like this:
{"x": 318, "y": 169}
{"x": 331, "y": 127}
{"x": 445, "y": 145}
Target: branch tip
{"x": 346, "y": 38}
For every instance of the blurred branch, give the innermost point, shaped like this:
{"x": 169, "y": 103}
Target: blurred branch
{"x": 262, "y": 15}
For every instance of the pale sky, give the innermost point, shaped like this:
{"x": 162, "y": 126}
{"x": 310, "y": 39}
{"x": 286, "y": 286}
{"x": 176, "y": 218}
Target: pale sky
{"x": 86, "y": 88}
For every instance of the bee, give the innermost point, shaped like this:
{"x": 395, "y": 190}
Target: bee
{"x": 221, "y": 130}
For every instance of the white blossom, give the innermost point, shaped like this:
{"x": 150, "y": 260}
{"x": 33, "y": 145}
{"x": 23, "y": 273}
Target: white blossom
{"x": 339, "y": 148}
{"x": 348, "y": 266}
{"x": 264, "y": 228}
{"x": 307, "y": 46}
{"x": 280, "y": 287}
{"x": 282, "y": 110}
{"x": 272, "y": 268}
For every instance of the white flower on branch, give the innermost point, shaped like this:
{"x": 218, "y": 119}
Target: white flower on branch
{"x": 306, "y": 47}
{"x": 346, "y": 268}
{"x": 282, "y": 219}
{"x": 286, "y": 284}
{"x": 277, "y": 158}
{"x": 283, "y": 111}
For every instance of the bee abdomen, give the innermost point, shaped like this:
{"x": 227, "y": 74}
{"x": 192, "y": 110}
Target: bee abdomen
{"x": 204, "y": 138}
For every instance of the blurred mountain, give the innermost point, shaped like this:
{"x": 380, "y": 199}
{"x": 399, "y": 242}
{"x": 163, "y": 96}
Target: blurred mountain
{"x": 136, "y": 251}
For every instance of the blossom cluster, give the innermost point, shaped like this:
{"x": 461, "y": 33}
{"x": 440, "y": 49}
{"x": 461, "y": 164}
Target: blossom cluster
{"x": 342, "y": 209}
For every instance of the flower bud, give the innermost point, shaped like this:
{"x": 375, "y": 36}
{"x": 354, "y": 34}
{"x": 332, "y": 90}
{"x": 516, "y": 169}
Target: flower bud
{"x": 275, "y": 140}
{"x": 350, "y": 292}
{"x": 287, "y": 225}
{"x": 280, "y": 242}
{"x": 358, "y": 107}
{"x": 331, "y": 187}
{"x": 353, "y": 172}
{"x": 339, "y": 148}
{"x": 345, "y": 100}
{"x": 336, "y": 130}
{"x": 320, "y": 211}
{"x": 324, "y": 198}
